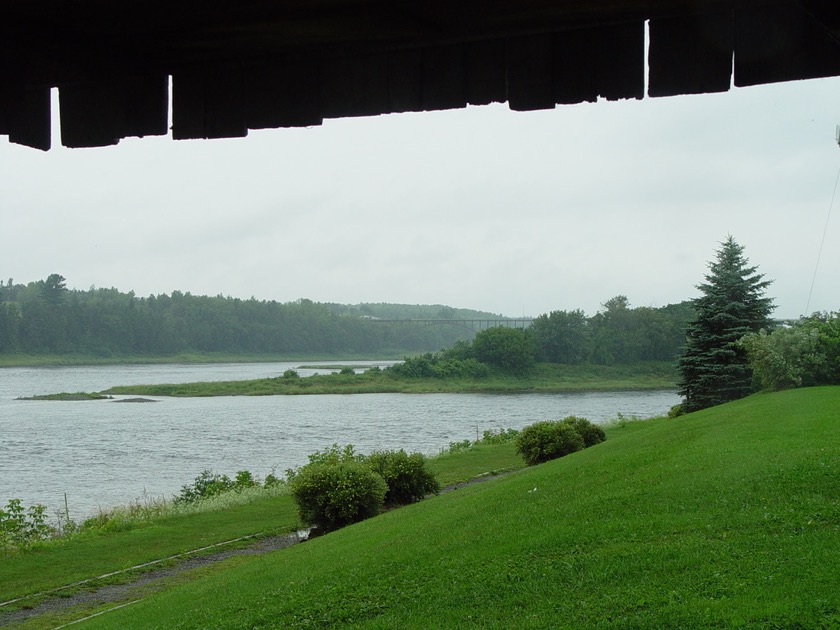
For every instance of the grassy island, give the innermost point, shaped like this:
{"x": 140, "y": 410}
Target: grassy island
{"x": 543, "y": 377}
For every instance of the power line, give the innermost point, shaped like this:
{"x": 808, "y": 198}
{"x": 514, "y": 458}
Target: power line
{"x": 822, "y": 242}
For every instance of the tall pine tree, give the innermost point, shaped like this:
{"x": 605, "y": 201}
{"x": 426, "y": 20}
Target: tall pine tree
{"x": 713, "y": 368}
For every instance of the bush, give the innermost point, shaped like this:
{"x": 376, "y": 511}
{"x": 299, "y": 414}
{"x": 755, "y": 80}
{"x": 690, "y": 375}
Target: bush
{"x": 592, "y": 434}
{"x": 547, "y": 440}
{"x": 502, "y": 436}
{"x": 22, "y": 527}
{"x": 407, "y": 477}
{"x": 209, "y": 484}
{"x": 332, "y": 495}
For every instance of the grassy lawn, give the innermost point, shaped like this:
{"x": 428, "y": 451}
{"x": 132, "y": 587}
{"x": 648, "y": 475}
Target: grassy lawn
{"x": 727, "y": 518}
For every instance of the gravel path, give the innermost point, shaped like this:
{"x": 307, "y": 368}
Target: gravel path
{"x": 142, "y": 579}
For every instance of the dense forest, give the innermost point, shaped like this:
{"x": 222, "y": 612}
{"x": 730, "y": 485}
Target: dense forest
{"x": 45, "y": 317}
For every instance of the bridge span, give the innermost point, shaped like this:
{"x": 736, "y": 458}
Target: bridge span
{"x": 475, "y": 325}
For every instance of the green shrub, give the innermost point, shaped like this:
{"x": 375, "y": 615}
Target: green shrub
{"x": 335, "y": 454}
{"x": 547, "y": 440}
{"x": 332, "y": 495}
{"x": 21, "y": 527}
{"x": 592, "y": 434}
{"x": 502, "y": 436}
{"x": 210, "y": 484}
{"x": 406, "y": 475}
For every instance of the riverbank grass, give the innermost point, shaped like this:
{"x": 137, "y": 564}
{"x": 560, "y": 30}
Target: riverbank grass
{"x": 729, "y": 517}
{"x": 159, "y": 529}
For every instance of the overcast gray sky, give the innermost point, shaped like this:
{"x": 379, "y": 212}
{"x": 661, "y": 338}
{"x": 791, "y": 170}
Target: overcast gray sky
{"x": 508, "y": 212}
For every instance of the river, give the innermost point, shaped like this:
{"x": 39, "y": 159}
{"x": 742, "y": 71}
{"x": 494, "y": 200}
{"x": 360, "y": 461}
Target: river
{"x": 104, "y": 454}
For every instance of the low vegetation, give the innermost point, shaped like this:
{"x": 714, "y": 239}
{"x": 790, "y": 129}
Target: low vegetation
{"x": 339, "y": 486}
{"x": 543, "y": 441}
{"x": 68, "y": 396}
{"x": 543, "y": 377}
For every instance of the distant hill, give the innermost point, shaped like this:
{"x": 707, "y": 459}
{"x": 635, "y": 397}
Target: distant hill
{"x": 384, "y": 310}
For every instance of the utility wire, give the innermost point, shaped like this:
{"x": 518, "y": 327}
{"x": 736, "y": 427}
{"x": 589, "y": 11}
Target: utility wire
{"x": 822, "y": 243}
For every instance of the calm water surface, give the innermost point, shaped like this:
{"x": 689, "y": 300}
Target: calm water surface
{"x": 104, "y": 454}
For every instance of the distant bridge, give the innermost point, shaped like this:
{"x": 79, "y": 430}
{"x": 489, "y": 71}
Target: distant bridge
{"x": 475, "y": 325}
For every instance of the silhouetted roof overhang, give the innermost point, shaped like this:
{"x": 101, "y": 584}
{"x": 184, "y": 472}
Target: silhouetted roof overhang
{"x": 250, "y": 64}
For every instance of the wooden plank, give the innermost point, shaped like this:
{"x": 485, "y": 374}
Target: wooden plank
{"x": 25, "y": 115}
{"x": 691, "y": 55}
{"x": 283, "y": 95}
{"x": 620, "y": 61}
{"x": 207, "y": 102}
{"x": 606, "y": 61}
{"x": 355, "y": 86}
{"x": 529, "y": 73}
{"x": 575, "y": 73}
{"x": 782, "y": 43}
{"x": 101, "y": 113}
{"x": 443, "y": 78}
{"x": 485, "y": 70}
{"x": 405, "y": 81}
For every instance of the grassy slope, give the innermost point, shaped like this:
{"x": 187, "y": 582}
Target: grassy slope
{"x": 90, "y": 555}
{"x": 724, "y": 518}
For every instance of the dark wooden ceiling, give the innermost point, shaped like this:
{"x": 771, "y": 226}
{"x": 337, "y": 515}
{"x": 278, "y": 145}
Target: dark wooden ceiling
{"x": 247, "y": 64}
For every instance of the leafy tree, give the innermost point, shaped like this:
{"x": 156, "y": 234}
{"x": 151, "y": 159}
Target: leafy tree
{"x": 54, "y": 289}
{"x": 803, "y": 354}
{"x": 561, "y": 337}
{"x": 509, "y": 349}
{"x": 714, "y": 368}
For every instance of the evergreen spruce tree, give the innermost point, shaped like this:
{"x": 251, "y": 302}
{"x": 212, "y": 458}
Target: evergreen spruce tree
{"x": 713, "y": 368}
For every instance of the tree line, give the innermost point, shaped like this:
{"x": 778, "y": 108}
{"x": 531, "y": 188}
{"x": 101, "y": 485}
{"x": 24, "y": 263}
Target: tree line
{"x": 46, "y": 317}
